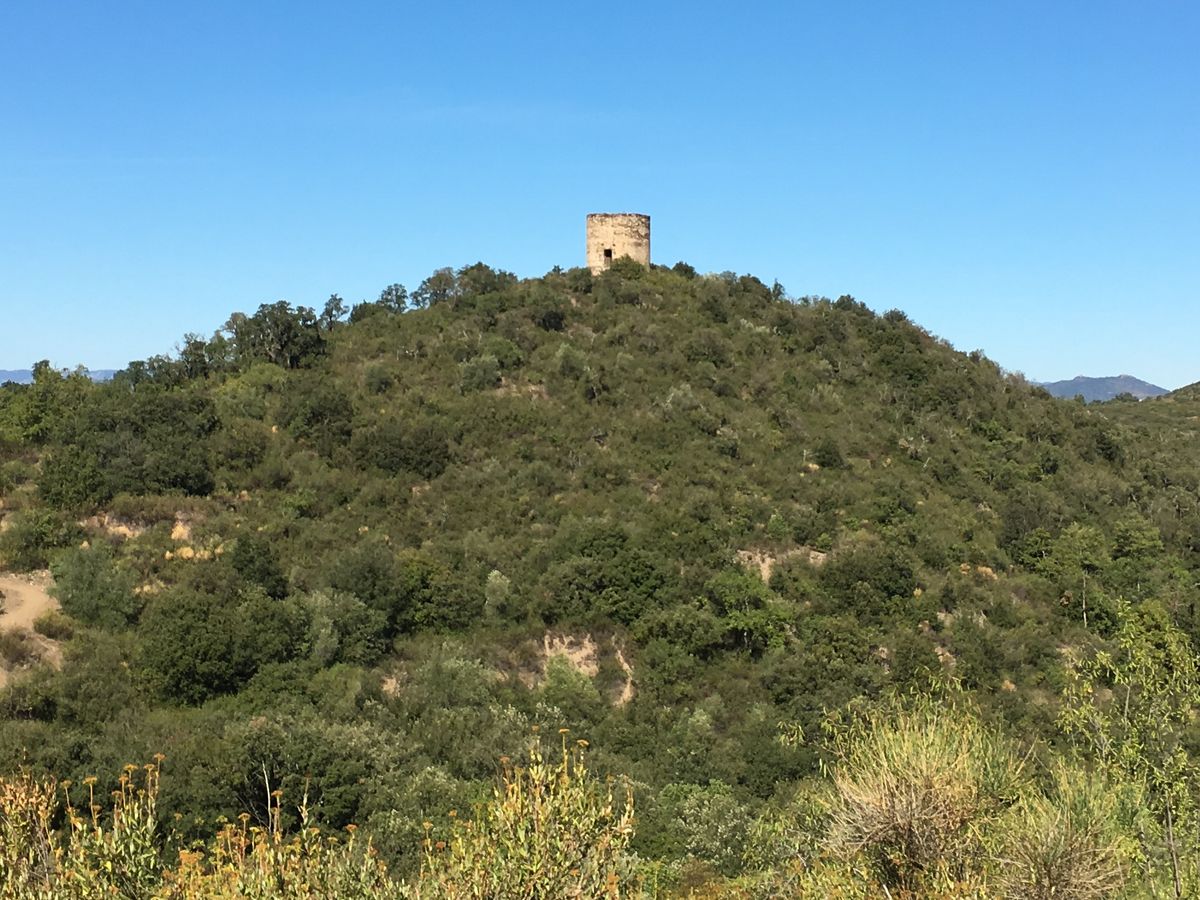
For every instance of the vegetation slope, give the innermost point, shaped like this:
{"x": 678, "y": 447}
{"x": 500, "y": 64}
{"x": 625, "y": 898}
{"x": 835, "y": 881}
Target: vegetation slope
{"x": 717, "y": 532}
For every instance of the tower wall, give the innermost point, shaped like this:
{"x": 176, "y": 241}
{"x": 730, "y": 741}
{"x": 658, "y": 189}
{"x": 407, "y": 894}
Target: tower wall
{"x": 613, "y": 235}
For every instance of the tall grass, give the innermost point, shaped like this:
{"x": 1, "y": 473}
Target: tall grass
{"x": 921, "y": 802}
{"x": 914, "y": 793}
{"x": 552, "y": 830}
{"x": 1074, "y": 842}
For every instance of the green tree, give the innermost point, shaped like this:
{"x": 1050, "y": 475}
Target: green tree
{"x": 332, "y": 313}
{"x": 750, "y": 615}
{"x": 394, "y": 298}
{"x": 439, "y": 287}
{"x": 1075, "y": 559}
{"x": 278, "y": 333}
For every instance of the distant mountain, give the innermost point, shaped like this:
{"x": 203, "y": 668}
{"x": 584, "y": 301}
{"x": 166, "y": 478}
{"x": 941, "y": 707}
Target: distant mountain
{"x": 25, "y": 376}
{"x": 1098, "y": 389}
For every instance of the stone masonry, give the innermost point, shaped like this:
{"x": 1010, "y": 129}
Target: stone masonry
{"x": 613, "y": 235}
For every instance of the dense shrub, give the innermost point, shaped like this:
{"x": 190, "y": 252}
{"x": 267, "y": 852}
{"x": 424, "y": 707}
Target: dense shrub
{"x": 195, "y": 645}
{"x": 92, "y": 587}
{"x": 30, "y": 537}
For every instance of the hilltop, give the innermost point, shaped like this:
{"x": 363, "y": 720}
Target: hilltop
{"x": 684, "y": 516}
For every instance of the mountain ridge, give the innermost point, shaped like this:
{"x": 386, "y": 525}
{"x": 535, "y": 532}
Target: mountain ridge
{"x": 1100, "y": 388}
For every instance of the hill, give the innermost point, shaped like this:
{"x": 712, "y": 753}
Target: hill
{"x": 686, "y": 517}
{"x": 1100, "y": 389}
{"x": 1188, "y": 392}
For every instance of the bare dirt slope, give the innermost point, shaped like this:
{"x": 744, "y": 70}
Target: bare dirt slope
{"x": 23, "y": 599}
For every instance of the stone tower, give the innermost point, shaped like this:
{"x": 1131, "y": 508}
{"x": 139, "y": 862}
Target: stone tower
{"x": 613, "y": 235}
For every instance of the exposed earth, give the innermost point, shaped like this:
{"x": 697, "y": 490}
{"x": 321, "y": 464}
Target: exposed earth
{"x": 23, "y": 599}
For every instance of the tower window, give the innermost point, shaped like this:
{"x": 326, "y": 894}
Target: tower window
{"x": 608, "y": 254}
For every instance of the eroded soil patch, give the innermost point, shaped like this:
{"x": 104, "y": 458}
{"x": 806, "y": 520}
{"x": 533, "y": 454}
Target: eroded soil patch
{"x": 23, "y": 600}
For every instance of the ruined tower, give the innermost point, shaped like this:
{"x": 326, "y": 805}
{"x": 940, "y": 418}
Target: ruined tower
{"x": 613, "y": 235}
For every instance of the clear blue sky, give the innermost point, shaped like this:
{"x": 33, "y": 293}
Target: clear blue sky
{"x": 1020, "y": 177}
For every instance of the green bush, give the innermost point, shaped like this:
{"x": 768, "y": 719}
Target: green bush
{"x": 255, "y": 560}
{"x": 394, "y": 447}
{"x": 479, "y": 374}
{"x": 72, "y": 478}
{"x": 194, "y": 645}
{"x": 342, "y": 628}
{"x": 93, "y": 588}
{"x": 17, "y": 649}
{"x": 32, "y": 535}
{"x": 54, "y": 625}
{"x": 707, "y": 822}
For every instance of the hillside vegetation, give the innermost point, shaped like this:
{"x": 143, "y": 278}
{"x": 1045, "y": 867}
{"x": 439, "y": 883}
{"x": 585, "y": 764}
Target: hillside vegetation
{"x": 800, "y": 574}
